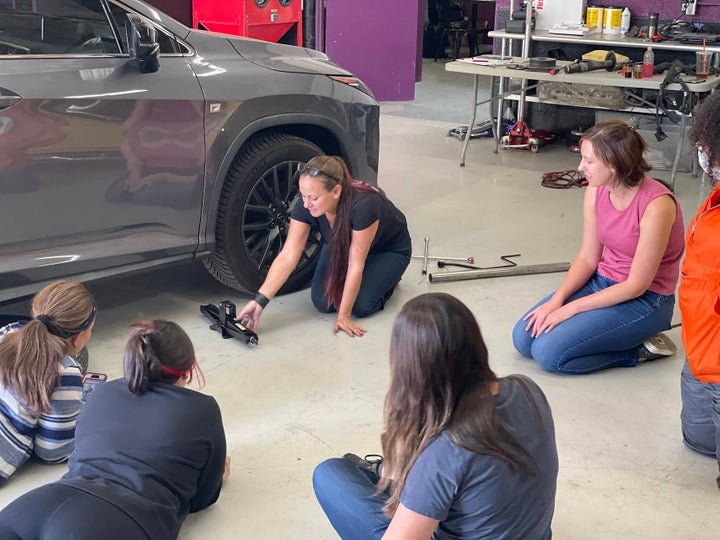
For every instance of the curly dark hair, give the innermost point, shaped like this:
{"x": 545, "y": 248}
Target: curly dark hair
{"x": 704, "y": 130}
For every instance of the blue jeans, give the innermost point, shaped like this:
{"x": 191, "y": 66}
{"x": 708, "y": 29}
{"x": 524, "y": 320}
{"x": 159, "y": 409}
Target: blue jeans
{"x": 381, "y": 273}
{"x": 347, "y": 495}
{"x": 600, "y": 338}
{"x": 700, "y": 416}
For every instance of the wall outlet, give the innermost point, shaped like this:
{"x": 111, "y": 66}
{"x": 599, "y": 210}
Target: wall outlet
{"x": 691, "y": 6}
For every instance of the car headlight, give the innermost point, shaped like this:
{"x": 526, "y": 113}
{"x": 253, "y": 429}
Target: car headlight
{"x": 354, "y": 82}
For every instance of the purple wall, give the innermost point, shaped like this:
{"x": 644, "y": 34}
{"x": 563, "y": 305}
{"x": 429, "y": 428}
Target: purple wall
{"x": 668, "y": 9}
{"x": 378, "y": 41}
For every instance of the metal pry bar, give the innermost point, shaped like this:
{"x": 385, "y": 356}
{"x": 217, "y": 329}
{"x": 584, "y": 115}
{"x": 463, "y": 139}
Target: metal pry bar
{"x": 224, "y": 322}
{"x": 426, "y": 255}
{"x": 500, "y": 272}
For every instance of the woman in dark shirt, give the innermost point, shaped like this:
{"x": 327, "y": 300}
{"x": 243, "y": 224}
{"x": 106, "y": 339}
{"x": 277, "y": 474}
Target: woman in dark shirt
{"x": 367, "y": 246}
{"x": 148, "y": 452}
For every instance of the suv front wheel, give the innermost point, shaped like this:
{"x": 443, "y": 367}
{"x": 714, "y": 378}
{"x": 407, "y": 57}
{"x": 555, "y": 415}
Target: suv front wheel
{"x": 254, "y": 214}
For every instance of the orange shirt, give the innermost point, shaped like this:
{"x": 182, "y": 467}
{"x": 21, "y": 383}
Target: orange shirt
{"x": 699, "y": 292}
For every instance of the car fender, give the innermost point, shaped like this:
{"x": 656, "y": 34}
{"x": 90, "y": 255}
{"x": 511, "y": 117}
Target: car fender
{"x": 281, "y": 123}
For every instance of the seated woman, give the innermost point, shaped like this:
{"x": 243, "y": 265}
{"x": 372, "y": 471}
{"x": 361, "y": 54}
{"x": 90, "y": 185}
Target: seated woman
{"x": 366, "y": 247}
{"x": 619, "y": 292}
{"x": 40, "y": 382}
{"x": 149, "y": 451}
{"x": 467, "y": 454}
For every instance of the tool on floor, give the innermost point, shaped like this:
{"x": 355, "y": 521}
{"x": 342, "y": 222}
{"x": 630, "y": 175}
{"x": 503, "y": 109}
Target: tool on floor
{"x": 499, "y": 271}
{"x": 225, "y": 323}
{"x": 435, "y": 258}
{"x": 521, "y": 136}
{"x": 506, "y": 258}
{"x": 425, "y": 255}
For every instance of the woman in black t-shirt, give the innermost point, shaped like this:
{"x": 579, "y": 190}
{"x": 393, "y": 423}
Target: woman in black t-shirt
{"x": 367, "y": 246}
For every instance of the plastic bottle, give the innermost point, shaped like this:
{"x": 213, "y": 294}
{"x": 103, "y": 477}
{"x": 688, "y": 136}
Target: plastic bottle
{"x": 648, "y": 63}
{"x": 625, "y": 21}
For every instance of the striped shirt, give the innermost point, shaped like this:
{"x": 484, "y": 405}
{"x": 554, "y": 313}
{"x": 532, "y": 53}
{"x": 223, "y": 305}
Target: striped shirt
{"x": 49, "y": 436}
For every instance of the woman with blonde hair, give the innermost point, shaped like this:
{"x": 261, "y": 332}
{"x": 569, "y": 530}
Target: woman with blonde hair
{"x": 467, "y": 454}
{"x": 40, "y": 382}
{"x": 366, "y": 247}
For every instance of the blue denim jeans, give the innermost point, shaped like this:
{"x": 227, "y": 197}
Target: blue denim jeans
{"x": 600, "y": 338}
{"x": 700, "y": 416}
{"x": 347, "y": 495}
{"x": 381, "y": 274}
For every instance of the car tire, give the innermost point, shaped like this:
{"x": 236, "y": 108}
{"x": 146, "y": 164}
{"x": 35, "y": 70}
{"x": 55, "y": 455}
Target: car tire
{"x": 254, "y": 214}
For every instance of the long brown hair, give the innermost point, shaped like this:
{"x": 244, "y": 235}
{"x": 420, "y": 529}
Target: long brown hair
{"x": 439, "y": 379}
{"x": 705, "y": 129}
{"x": 334, "y": 172}
{"x": 158, "y": 351}
{"x": 620, "y": 147}
{"x": 29, "y": 358}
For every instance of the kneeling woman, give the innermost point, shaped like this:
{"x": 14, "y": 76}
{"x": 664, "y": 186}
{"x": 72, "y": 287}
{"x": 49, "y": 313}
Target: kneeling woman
{"x": 367, "y": 246}
{"x": 148, "y": 452}
{"x": 467, "y": 454}
{"x": 619, "y": 292}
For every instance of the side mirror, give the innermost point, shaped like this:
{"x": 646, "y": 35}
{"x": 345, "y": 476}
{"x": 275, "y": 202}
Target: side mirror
{"x": 143, "y": 45}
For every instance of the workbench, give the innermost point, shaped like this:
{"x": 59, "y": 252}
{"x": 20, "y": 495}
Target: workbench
{"x": 603, "y": 77}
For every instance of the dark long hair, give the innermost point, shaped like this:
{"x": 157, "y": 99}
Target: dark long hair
{"x": 158, "y": 351}
{"x": 29, "y": 358}
{"x": 334, "y": 172}
{"x": 621, "y": 147}
{"x": 439, "y": 379}
{"x": 705, "y": 129}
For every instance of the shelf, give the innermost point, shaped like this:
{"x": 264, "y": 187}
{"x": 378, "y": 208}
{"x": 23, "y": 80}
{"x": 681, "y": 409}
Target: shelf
{"x": 628, "y": 109}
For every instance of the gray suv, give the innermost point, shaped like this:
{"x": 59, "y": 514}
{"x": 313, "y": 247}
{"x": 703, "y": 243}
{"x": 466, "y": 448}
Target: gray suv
{"x": 129, "y": 141}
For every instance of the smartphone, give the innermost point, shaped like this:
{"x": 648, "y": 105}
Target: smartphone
{"x": 90, "y": 380}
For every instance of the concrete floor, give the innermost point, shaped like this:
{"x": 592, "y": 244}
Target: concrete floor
{"x": 305, "y": 394}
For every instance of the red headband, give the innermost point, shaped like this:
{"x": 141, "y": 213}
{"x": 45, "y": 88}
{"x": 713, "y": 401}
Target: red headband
{"x": 172, "y": 371}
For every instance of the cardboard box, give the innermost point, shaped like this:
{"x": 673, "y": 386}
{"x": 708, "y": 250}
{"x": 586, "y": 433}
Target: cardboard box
{"x": 552, "y": 12}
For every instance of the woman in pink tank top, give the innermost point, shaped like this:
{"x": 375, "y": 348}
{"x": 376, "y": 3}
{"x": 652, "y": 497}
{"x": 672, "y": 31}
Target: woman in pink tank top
{"x": 619, "y": 292}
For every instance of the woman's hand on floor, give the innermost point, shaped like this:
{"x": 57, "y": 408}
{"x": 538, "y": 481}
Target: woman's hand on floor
{"x": 346, "y": 324}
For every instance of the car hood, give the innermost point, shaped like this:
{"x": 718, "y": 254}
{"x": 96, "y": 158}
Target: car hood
{"x": 288, "y": 58}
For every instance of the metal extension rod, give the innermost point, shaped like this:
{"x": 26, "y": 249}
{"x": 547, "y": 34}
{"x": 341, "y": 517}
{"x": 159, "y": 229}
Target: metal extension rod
{"x": 525, "y": 54}
{"x": 499, "y": 272}
{"x": 426, "y": 251}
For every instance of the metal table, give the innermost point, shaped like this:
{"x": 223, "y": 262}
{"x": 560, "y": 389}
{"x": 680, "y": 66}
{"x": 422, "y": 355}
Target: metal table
{"x": 601, "y": 78}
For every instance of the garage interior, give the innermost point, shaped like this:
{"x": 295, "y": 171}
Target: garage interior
{"x": 305, "y": 394}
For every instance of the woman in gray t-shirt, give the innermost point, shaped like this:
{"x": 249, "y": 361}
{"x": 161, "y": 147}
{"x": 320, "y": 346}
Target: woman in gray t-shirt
{"x": 468, "y": 455}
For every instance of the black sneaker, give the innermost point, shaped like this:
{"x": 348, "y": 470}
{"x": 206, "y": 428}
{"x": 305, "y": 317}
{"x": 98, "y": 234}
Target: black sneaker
{"x": 372, "y": 462}
{"x": 658, "y": 346}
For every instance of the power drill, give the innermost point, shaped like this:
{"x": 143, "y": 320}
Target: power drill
{"x": 581, "y": 66}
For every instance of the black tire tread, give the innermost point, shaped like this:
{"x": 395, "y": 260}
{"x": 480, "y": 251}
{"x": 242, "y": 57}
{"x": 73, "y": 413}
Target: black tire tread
{"x": 218, "y": 263}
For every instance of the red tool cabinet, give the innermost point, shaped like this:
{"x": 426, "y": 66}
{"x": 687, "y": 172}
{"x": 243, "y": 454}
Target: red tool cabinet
{"x": 268, "y": 20}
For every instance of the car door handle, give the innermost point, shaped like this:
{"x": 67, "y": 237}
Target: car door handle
{"x": 8, "y": 98}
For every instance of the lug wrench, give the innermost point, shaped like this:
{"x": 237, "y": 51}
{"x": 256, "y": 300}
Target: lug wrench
{"x": 506, "y": 258}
